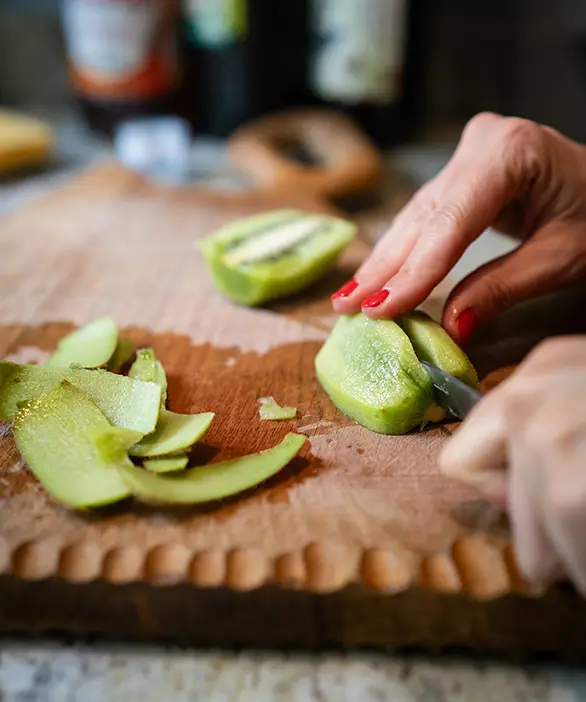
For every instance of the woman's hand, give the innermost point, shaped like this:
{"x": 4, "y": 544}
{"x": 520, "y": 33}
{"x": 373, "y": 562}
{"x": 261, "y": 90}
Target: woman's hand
{"x": 524, "y": 445}
{"x": 509, "y": 173}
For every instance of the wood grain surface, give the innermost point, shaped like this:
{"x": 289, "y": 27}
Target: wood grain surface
{"x": 355, "y": 509}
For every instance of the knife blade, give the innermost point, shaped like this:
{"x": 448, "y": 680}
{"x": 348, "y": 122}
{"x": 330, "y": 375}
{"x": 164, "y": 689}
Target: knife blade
{"x": 451, "y": 393}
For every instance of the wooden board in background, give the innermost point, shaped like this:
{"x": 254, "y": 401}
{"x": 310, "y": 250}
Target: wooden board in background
{"x": 355, "y": 513}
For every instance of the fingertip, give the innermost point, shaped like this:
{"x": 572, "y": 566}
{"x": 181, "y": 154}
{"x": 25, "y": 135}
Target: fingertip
{"x": 466, "y": 324}
{"x": 347, "y": 299}
{"x": 449, "y": 316}
{"x": 461, "y": 322}
{"x": 345, "y": 290}
{"x": 491, "y": 484}
{"x": 382, "y": 305}
{"x": 348, "y": 305}
{"x": 448, "y": 459}
{"x": 376, "y": 299}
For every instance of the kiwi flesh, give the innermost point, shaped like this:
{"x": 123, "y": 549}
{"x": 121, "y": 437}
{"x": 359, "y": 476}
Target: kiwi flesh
{"x": 371, "y": 370}
{"x": 432, "y": 343}
{"x": 275, "y": 254}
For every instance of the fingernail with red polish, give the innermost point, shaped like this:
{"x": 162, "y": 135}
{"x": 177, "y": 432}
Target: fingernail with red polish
{"x": 376, "y": 299}
{"x": 466, "y": 324}
{"x": 346, "y": 289}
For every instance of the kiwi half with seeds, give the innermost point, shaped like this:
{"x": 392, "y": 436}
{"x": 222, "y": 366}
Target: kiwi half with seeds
{"x": 275, "y": 254}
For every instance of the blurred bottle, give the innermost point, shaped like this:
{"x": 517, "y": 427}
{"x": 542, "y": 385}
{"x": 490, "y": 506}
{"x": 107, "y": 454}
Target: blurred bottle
{"x": 292, "y": 52}
{"x": 360, "y": 63}
{"x": 231, "y": 72}
{"x": 123, "y": 58}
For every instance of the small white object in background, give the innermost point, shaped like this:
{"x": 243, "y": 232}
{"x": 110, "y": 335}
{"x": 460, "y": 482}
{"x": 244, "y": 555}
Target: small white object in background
{"x": 156, "y": 147}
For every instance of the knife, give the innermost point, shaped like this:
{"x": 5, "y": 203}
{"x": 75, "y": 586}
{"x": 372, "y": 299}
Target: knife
{"x": 450, "y": 393}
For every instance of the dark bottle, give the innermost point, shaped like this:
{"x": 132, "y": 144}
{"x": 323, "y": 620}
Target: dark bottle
{"x": 232, "y": 76}
{"x": 361, "y": 63}
{"x": 123, "y": 58}
{"x": 292, "y": 52}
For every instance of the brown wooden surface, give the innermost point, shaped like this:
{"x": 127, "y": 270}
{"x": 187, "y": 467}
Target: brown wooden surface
{"x": 354, "y": 508}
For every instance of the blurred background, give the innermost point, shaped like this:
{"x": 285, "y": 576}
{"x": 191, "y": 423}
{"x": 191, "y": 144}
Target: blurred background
{"x": 427, "y": 64}
{"x": 409, "y": 72}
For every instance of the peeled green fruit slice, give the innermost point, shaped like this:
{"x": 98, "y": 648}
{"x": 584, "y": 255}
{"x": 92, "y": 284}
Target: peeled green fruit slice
{"x": 174, "y": 432}
{"x": 126, "y": 403}
{"x": 370, "y": 371}
{"x": 166, "y": 464}
{"x": 90, "y": 346}
{"x": 214, "y": 481}
{"x": 67, "y": 443}
{"x": 433, "y": 344}
{"x": 270, "y": 409}
{"x": 274, "y": 254}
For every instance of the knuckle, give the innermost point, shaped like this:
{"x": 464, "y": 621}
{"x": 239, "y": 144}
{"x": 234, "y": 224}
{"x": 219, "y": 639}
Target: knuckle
{"x": 500, "y": 293}
{"x": 445, "y": 219}
{"x": 519, "y": 130}
{"x": 481, "y": 122}
{"x": 523, "y": 141}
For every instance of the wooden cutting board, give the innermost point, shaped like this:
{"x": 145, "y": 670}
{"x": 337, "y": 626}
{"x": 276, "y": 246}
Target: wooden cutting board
{"x": 358, "y": 541}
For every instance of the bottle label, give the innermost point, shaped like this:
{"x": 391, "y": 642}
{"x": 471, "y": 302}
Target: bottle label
{"x": 360, "y": 50}
{"x": 212, "y": 24}
{"x": 122, "y": 49}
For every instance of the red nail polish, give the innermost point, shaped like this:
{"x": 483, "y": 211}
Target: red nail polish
{"x": 346, "y": 289}
{"x": 376, "y": 299}
{"x": 466, "y": 324}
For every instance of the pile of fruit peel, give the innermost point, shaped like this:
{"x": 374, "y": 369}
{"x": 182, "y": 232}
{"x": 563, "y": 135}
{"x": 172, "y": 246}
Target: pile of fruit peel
{"x": 82, "y": 427}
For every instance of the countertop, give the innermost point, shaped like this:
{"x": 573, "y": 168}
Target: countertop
{"x": 53, "y": 671}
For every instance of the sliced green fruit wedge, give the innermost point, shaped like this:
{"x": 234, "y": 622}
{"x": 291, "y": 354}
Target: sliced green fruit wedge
{"x": 148, "y": 369}
{"x": 90, "y": 346}
{"x": 270, "y": 409}
{"x": 126, "y": 403}
{"x": 122, "y": 354}
{"x": 433, "y": 344}
{"x": 214, "y": 481}
{"x": 58, "y": 435}
{"x": 166, "y": 464}
{"x": 370, "y": 371}
{"x": 274, "y": 254}
{"x": 174, "y": 432}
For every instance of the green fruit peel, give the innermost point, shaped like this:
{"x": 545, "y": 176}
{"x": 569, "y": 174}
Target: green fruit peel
{"x": 166, "y": 464}
{"x": 76, "y": 423}
{"x": 126, "y": 403}
{"x": 174, "y": 432}
{"x": 90, "y": 346}
{"x": 122, "y": 354}
{"x": 271, "y": 410}
{"x": 214, "y": 481}
{"x": 67, "y": 443}
{"x": 147, "y": 368}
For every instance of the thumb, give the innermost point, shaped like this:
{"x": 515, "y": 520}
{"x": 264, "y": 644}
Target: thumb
{"x": 553, "y": 259}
